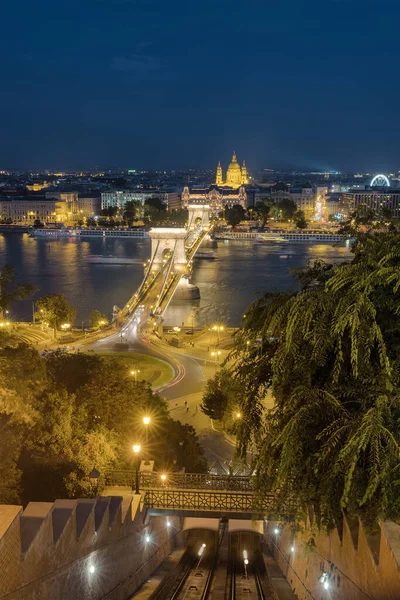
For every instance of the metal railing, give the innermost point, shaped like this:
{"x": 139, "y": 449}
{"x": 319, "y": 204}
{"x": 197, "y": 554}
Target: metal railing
{"x": 183, "y": 481}
{"x": 239, "y": 502}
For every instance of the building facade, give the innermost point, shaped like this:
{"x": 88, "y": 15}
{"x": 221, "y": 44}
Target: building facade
{"x": 89, "y": 205}
{"x": 373, "y": 198}
{"x": 216, "y": 197}
{"x": 118, "y": 198}
{"x": 22, "y": 211}
{"x": 236, "y": 176}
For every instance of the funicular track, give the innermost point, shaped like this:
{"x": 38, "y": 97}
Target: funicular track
{"x": 245, "y": 581}
{"x": 192, "y": 577}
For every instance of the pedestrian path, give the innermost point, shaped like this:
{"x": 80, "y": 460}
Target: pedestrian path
{"x": 151, "y": 584}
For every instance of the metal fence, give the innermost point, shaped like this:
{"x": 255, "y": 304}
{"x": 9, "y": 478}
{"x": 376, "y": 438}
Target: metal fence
{"x": 183, "y": 481}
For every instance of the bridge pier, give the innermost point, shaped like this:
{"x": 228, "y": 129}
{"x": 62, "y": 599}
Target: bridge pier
{"x": 186, "y": 290}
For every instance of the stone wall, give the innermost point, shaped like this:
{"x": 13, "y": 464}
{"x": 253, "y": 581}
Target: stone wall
{"x": 357, "y": 564}
{"x": 91, "y": 549}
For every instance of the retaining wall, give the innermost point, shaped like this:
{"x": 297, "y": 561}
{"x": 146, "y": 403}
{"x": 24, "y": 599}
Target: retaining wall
{"x": 81, "y": 549}
{"x": 358, "y": 565}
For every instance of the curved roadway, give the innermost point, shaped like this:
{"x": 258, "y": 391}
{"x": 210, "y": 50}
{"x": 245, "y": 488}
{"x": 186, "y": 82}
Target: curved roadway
{"x": 183, "y": 392}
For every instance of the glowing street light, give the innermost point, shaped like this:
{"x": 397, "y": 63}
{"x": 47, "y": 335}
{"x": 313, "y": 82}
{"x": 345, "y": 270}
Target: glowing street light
{"x": 134, "y": 372}
{"x": 146, "y": 420}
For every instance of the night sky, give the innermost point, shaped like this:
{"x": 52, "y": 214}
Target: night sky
{"x": 149, "y": 84}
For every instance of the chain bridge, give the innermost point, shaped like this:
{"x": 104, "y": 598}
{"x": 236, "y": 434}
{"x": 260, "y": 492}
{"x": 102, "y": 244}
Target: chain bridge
{"x": 200, "y": 494}
{"x": 170, "y": 266}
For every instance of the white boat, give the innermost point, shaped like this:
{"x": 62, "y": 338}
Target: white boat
{"x": 268, "y": 237}
{"x": 85, "y": 232}
{"x": 205, "y": 255}
{"x": 112, "y": 260}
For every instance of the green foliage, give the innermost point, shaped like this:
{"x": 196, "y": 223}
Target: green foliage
{"x": 287, "y": 208}
{"x": 330, "y": 356}
{"x": 220, "y": 396}
{"x": 98, "y": 320}
{"x": 300, "y": 219}
{"x": 55, "y": 310}
{"x": 62, "y": 413}
{"x": 10, "y": 290}
{"x": 234, "y": 215}
{"x": 132, "y": 211}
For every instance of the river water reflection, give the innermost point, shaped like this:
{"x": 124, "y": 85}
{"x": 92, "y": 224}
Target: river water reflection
{"x": 241, "y": 272}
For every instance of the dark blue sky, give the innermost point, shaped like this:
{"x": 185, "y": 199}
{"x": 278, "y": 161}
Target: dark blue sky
{"x": 150, "y": 84}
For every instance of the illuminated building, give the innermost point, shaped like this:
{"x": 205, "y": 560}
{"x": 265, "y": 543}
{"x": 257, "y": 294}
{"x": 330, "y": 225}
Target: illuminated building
{"x": 119, "y": 198}
{"x": 223, "y": 193}
{"x": 235, "y": 175}
{"x": 21, "y": 211}
{"x": 374, "y": 198}
{"x": 215, "y": 196}
{"x": 37, "y": 186}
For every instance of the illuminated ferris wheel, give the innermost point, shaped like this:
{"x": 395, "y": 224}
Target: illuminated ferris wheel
{"x": 380, "y": 181}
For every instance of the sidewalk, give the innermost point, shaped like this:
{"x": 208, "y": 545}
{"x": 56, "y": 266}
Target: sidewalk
{"x": 149, "y": 586}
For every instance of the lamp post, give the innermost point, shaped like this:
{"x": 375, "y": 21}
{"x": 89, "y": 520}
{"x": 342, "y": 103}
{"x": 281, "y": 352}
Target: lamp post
{"x": 94, "y": 477}
{"x": 146, "y": 422}
{"x": 136, "y": 451}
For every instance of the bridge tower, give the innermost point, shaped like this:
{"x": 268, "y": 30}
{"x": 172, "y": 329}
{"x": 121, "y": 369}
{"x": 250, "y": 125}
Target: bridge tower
{"x": 199, "y": 214}
{"x": 165, "y": 241}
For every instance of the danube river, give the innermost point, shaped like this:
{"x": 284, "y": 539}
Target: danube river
{"x": 240, "y": 273}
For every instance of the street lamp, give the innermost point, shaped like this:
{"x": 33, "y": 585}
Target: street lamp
{"x": 163, "y": 478}
{"x": 136, "y": 450}
{"x": 94, "y": 477}
{"x": 146, "y": 421}
{"x": 238, "y": 415}
{"x": 134, "y": 372}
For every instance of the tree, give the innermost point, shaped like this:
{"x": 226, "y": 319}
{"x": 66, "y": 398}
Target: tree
{"x": 154, "y": 210}
{"x": 55, "y": 310}
{"x": 98, "y": 320}
{"x": 220, "y": 396}
{"x": 110, "y": 211}
{"x": 331, "y": 355}
{"x": 261, "y": 211}
{"x": 300, "y": 219}
{"x": 10, "y": 290}
{"x": 287, "y": 208}
{"x": 235, "y": 214}
{"x": 132, "y": 211}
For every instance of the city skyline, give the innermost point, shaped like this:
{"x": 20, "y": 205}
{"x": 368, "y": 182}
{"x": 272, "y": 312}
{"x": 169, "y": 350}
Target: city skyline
{"x": 157, "y": 85}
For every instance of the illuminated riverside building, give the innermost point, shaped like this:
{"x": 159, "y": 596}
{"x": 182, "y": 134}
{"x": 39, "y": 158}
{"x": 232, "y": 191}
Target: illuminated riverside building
{"x": 223, "y": 193}
{"x": 376, "y": 199}
{"x": 118, "y": 198}
{"x": 21, "y": 211}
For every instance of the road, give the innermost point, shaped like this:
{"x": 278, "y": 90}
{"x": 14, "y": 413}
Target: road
{"x": 187, "y": 386}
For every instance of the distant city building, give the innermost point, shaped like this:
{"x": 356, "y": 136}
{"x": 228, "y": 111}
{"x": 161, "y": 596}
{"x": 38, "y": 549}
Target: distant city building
{"x": 22, "y": 211}
{"x": 216, "y": 197}
{"x": 37, "y": 186}
{"x": 376, "y": 199}
{"x": 71, "y": 205}
{"x": 119, "y": 198}
{"x": 89, "y": 205}
{"x": 235, "y": 176}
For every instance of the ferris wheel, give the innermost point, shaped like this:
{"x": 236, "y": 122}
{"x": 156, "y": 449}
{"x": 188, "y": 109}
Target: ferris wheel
{"x": 380, "y": 181}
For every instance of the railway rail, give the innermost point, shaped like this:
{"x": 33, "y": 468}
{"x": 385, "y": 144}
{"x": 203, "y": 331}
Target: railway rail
{"x": 193, "y": 576}
{"x": 245, "y": 579}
